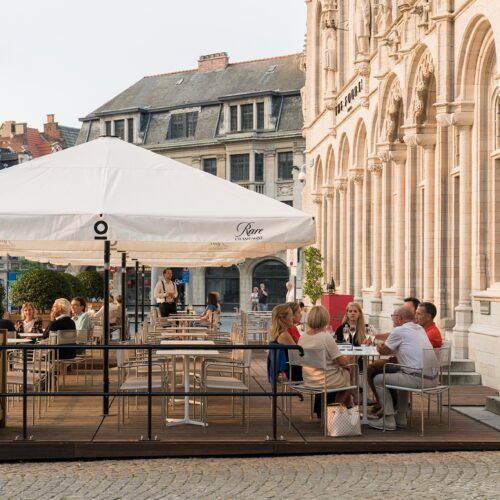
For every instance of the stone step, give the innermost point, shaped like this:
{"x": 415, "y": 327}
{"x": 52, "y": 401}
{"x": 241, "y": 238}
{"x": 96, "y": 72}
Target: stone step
{"x": 462, "y": 365}
{"x": 465, "y": 378}
{"x": 493, "y": 404}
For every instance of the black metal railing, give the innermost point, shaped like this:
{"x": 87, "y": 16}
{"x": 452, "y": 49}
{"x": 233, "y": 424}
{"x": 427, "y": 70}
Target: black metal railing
{"x": 106, "y": 393}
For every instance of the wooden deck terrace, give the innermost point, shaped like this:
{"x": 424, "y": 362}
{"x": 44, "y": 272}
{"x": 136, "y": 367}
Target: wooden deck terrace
{"x": 74, "y": 428}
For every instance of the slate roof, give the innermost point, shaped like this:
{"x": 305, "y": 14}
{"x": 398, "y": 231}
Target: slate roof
{"x": 69, "y": 135}
{"x": 277, "y": 74}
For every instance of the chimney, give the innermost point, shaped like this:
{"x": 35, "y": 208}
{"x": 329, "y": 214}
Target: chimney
{"x": 50, "y": 129}
{"x": 213, "y": 62}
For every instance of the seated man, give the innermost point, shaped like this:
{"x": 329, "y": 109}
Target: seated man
{"x": 426, "y": 312}
{"x": 6, "y": 324}
{"x": 377, "y": 367}
{"x": 61, "y": 320}
{"x": 407, "y": 342}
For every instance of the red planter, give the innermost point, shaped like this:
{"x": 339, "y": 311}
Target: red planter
{"x": 336, "y": 305}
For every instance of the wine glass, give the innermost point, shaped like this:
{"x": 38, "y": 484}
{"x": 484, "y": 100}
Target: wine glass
{"x": 370, "y": 333}
{"x": 346, "y": 333}
{"x": 352, "y": 331}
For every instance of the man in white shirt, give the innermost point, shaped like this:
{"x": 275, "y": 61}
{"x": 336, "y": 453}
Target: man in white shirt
{"x": 407, "y": 342}
{"x": 290, "y": 292}
{"x": 165, "y": 293}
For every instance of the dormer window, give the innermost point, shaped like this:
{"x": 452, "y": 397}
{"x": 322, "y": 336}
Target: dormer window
{"x": 247, "y": 117}
{"x": 182, "y": 125}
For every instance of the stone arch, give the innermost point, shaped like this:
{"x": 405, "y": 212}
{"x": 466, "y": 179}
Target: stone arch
{"x": 274, "y": 273}
{"x": 360, "y": 147}
{"x": 374, "y": 133}
{"x": 422, "y": 86}
{"x": 344, "y": 152}
{"x": 469, "y": 61}
{"x": 330, "y": 167}
{"x": 318, "y": 175}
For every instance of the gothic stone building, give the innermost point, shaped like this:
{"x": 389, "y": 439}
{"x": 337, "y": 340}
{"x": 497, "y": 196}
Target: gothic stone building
{"x": 402, "y": 128}
{"x": 241, "y": 121}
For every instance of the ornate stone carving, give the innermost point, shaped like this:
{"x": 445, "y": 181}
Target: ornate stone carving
{"x": 316, "y": 198}
{"x": 356, "y": 177}
{"x": 362, "y": 27}
{"x": 285, "y": 189}
{"x": 330, "y": 45}
{"x": 384, "y": 16}
{"x": 374, "y": 165}
{"x": 340, "y": 185}
{"x": 328, "y": 192}
{"x": 392, "y": 118}
{"x": 419, "y": 104}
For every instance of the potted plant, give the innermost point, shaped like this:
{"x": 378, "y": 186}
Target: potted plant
{"x": 313, "y": 274}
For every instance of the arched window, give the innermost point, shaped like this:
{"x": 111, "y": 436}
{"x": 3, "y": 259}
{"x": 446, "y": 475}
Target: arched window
{"x": 274, "y": 274}
{"x": 226, "y": 281}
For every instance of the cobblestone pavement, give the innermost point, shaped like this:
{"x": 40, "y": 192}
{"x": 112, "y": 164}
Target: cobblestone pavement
{"x": 408, "y": 476}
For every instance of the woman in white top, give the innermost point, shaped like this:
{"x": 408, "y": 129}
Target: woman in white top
{"x": 319, "y": 336}
{"x": 254, "y": 298}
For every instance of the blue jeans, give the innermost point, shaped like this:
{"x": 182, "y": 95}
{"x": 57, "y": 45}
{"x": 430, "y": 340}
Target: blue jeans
{"x": 261, "y": 307}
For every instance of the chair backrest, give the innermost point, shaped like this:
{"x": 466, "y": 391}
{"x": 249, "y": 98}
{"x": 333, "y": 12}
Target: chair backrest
{"x": 66, "y": 337}
{"x": 10, "y": 335}
{"x": 83, "y": 336}
{"x": 122, "y": 356}
{"x": 434, "y": 360}
{"x": 313, "y": 358}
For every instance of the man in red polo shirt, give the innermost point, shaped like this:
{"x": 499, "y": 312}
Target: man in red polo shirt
{"x": 426, "y": 312}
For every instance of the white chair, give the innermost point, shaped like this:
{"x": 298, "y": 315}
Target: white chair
{"x": 315, "y": 358}
{"x": 434, "y": 381}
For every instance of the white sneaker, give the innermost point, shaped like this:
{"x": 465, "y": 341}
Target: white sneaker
{"x": 390, "y": 423}
{"x": 401, "y": 421}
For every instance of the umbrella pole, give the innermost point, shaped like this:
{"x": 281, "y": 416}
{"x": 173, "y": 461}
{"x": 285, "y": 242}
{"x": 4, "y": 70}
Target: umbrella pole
{"x": 143, "y": 292}
{"x": 136, "y": 327}
{"x": 124, "y": 297}
{"x": 105, "y": 381}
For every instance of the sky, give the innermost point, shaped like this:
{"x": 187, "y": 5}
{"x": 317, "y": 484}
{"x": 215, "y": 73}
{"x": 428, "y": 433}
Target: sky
{"x": 68, "y": 57}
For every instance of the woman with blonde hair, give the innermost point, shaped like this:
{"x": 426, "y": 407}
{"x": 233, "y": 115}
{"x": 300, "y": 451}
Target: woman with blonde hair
{"x": 282, "y": 320}
{"x": 318, "y": 336}
{"x": 28, "y": 322}
{"x": 354, "y": 323}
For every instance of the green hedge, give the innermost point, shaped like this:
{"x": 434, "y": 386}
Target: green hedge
{"x": 75, "y": 284}
{"x": 41, "y": 287}
{"x": 92, "y": 284}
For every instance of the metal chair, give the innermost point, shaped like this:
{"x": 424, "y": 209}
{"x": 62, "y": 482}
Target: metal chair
{"x": 436, "y": 367}
{"x": 316, "y": 358}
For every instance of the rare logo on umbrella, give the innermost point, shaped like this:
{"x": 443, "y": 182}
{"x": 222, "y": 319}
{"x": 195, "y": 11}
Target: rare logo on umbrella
{"x": 248, "y": 231}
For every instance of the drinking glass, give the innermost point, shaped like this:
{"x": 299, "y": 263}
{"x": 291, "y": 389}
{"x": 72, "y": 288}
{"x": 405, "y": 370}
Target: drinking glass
{"x": 352, "y": 331}
{"x": 346, "y": 333}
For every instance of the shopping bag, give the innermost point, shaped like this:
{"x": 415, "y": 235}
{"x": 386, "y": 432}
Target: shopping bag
{"x": 342, "y": 421}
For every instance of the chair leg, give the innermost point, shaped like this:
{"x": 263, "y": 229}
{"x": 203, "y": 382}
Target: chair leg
{"x": 422, "y": 414}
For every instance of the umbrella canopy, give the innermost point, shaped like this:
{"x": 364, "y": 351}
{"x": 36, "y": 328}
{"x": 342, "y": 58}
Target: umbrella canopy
{"x": 142, "y": 202}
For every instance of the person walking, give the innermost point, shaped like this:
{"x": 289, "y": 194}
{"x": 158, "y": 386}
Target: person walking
{"x": 290, "y": 292}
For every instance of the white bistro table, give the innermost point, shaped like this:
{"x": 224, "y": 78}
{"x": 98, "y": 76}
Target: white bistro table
{"x": 363, "y": 352}
{"x": 186, "y": 353}
{"x": 18, "y": 341}
{"x": 30, "y": 335}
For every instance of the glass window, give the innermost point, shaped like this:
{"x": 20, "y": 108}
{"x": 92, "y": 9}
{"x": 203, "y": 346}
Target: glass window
{"x": 120, "y": 129}
{"x": 246, "y": 117}
{"x": 234, "y": 118}
{"x": 108, "y": 128}
{"x": 210, "y": 165}
{"x": 226, "y": 281}
{"x": 285, "y": 164}
{"x": 259, "y": 167}
{"x": 183, "y": 125}
{"x": 130, "y": 130}
{"x": 260, "y": 115}
{"x": 240, "y": 168}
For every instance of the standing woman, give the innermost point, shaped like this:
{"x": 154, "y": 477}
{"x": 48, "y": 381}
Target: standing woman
{"x": 354, "y": 321}
{"x": 28, "y": 322}
{"x": 254, "y": 298}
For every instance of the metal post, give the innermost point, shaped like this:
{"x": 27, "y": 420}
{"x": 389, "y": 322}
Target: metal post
{"x": 123, "y": 335}
{"x": 105, "y": 327}
{"x": 143, "y": 273}
{"x": 150, "y": 396}
{"x": 275, "y": 396}
{"x": 25, "y": 397}
{"x": 136, "y": 317}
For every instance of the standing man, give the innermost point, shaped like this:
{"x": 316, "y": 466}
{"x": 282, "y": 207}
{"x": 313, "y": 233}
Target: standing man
{"x": 263, "y": 296}
{"x": 290, "y": 292}
{"x": 166, "y": 294}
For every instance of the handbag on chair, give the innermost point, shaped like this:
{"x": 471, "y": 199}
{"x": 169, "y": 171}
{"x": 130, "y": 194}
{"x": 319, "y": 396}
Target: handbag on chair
{"x": 341, "y": 421}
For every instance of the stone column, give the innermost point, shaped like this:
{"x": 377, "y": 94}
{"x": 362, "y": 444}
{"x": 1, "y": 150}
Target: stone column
{"x": 375, "y": 168}
{"x": 328, "y": 191}
{"x": 385, "y": 219}
{"x": 357, "y": 177}
{"x": 428, "y": 213}
{"x": 317, "y": 199}
{"x": 270, "y": 173}
{"x": 463, "y": 312}
{"x": 399, "y": 159}
{"x": 221, "y": 166}
{"x": 341, "y": 187}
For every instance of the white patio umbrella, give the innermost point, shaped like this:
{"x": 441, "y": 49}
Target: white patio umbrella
{"x": 108, "y": 194}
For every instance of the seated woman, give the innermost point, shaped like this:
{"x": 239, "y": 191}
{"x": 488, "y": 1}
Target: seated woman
{"x": 318, "y": 336}
{"x": 28, "y": 322}
{"x": 297, "y": 317}
{"x": 354, "y": 322}
{"x": 212, "y": 307}
{"x": 282, "y": 321}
